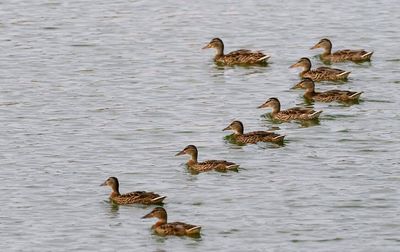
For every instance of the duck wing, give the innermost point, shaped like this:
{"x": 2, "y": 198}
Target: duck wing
{"x": 141, "y": 197}
{"x": 354, "y": 55}
{"x": 337, "y": 95}
{"x": 326, "y": 73}
{"x": 328, "y": 70}
{"x": 239, "y": 52}
{"x": 141, "y": 194}
{"x": 177, "y": 228}
{"x": 299, "y": 113}
{"x": 244, "y": 56}
{"x": 220, "y": 165}
{"x": 260, "y": 136}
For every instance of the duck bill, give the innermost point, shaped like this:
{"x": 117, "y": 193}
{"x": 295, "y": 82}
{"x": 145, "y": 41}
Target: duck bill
{"x": 264, "y": 105}
{"x": 227, "y": 128}
{"x": 149, "y": 215}
{"x": 182, "y": 152}
{"x": 298, "y": 85}
{"x": 314, "y": 47}
{"x": 294, "y": 65}
{"x": 104, "y": 183}
{"x": 206, "y": 46}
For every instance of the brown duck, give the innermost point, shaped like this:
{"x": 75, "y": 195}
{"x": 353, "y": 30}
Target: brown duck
{"x": 342, "y": 55}
{"x": 163, "y": 228}
{"x": 218, "y": 165}
{"x": 243, "y": 56}
{"x": 252, "y": 137}
{"x": 321, "y": 73}
{"x": 296, "y": 113}
{"x": 139, "y": 197}
{"x": 327, "y": 96}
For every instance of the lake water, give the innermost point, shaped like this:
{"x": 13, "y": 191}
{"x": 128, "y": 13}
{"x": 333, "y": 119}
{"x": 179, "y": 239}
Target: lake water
{"x": 92, "y": 89}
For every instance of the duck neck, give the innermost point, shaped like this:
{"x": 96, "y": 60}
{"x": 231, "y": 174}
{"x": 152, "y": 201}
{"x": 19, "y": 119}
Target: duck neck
{"x": 276, "y": 108}
{"x": 327, "y": 50}
{"x": 115, "y": 190}
{"x": 193, "y": 158}
{"x": 219, "y": 51}
{"x": 310, "y": 91}
{"x": 160, "y": 222}
{"x": 162, "y": 219}
{"x": 306, "y": 68}
{"x": 238, "y": 131}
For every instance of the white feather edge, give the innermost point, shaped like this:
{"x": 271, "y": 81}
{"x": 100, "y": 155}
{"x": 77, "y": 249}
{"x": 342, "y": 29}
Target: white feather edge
{"x": 344, "y": 73}
{"x": 159, "y": 198}
{"x": 264, "y": 58}
{"x": 367, "y": 54}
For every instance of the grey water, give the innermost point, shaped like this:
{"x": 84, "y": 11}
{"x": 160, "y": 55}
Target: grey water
{"x": 92, "y": 89}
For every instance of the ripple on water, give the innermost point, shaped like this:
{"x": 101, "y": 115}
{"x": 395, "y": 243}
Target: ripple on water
{"x": 92, "y": 90}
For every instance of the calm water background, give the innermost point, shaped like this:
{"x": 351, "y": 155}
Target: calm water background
{"x": 92, "y": 89}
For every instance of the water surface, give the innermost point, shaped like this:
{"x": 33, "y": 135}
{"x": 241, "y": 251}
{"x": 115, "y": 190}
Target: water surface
{"x": 97, "y": 89}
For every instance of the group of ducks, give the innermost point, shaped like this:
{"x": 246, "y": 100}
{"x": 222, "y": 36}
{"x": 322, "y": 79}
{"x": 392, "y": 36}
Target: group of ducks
{"x": 246, "y": 57}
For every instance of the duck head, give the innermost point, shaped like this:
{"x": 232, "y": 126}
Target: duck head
{"x": 158, "y": 212}
{"x": 113, "y": 183}
{"x": 307, "y": 83}
{"x": 272, "y": 103}
{"x": 324, "y": 43}
{"x": 304, "y": 62}
{"x": 217, "y": 44}
{"x": 236, "y": 127}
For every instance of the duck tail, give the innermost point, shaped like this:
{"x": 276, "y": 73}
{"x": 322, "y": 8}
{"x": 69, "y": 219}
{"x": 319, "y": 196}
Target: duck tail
{"x": 266, "y": 57}
{"x": 315, "y": 114}
{"x": 367, "y": 55}
{"x": 194, "y": 230}
{"x": 344, "y": 74}
{"x": 158, "y": 199}
{"x": 356, "y": 95}
{"x": 232, "y": 167}
{"x": 278, "y": 138}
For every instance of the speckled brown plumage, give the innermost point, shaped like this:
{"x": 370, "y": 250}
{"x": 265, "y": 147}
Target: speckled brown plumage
{"x": 209, "y": 165}
{"x": 218, "y": 165}
{"x": 138, "y": 197}
{"x": 252, "y": 137}
{"x": 242, "y": 56}
{"x": 162, "y": 227}
{"x": 296, "y": 113}
{"x": 321, "y": 73}
{"x": 327, "y": 96}
{"x": 342, "y": 55}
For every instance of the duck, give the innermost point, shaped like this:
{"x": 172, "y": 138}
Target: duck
{"x": 163, "y": 228}
{"x": 327, "y": 96}
{"x": 341, "y": 55}
{"x": 296, "y": 113}
{"x": 138, "y": 197}
{"x": 252, "y": 137}
{"x": 242, "y": 56}
{"x": 321, "y": 73}
{"x": 209, "y": 165}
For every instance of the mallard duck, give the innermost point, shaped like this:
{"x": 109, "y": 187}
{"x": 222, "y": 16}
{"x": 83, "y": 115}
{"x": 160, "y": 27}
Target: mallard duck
{"x": 321, "y": 73}
{"x": 245, "y": 57}
{"x": 162, "y": 227}
{"x": 252, "y": 137}
{"x": 327, "y": 96}
{"x": 218, "y": 165}
{"x": 139, "y": 197}
{"x": 342, "y": 55}
{"x": 296, "y": 113}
